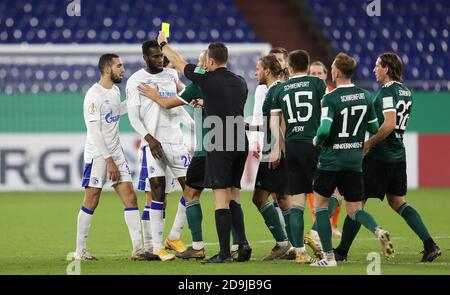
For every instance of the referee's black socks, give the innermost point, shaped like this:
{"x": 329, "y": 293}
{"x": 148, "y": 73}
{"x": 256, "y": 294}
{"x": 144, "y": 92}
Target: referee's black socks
{"x": 237, "y": 217}
{"x": 223, "y": 226}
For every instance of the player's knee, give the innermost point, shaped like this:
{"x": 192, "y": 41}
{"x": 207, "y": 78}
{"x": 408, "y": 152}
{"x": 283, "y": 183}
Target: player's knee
{"x": 131, "y": 200}
{"x": 283, "y": 203}
{"x": 396, "y": 202}
{"x": 259, "y": 198}
{"x": 158, "y": 187}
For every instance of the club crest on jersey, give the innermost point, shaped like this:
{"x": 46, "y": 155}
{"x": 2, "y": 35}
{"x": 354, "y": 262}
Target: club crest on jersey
{"x": 109, "y": 118}
{"x": 92, "y": 109}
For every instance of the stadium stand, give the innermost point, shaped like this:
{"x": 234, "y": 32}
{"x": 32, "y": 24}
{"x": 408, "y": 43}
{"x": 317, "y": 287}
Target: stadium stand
{"x": 34, "y": 21}
{"x": 417, "y": 30}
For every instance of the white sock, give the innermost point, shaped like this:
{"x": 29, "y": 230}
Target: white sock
{"x": 282, "y": 243}
{"x": 234, "y": 247}
{"x": 147, "y": 230}
{"x": 179, "y": 222}
{"x": 157, "y": 225}
{"x": 198, "y": 245}
{"x": 83, "y": 225}
{"x": 300, "y": 250}
{"x": 133, "y": 221}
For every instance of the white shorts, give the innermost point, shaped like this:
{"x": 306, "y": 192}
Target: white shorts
{"x": 173, "y": 165}
{"x": 95, "y": 172}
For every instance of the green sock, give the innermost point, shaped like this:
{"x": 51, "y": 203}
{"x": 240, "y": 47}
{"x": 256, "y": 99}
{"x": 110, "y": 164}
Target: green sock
{"x": 273, "y": 223}
{"x": 349, "y": 231}
{"x": 295, "y": 226}
{"x": 194, "y": 217}
{"x": 412, "y": 217}
{"x": 286, "y": 216}
{"x": 324, "y": 228}
{"x": 365, "y": 219}
{"x": 332, "y": 205}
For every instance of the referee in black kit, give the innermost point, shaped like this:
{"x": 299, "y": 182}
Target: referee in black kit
{"x": 225, "y": 95}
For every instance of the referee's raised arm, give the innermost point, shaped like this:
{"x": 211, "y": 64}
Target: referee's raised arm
{"x": 174, "y": 57}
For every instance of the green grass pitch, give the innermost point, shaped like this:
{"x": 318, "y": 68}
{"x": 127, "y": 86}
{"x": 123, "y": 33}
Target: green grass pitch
{"x": 38, "y": 231}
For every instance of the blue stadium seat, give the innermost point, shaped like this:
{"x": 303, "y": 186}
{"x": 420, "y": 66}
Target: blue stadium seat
{"x": 417, "y": 30}
{"x": 114, "y": 21}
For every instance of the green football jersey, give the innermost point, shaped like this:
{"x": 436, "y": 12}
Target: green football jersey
{"x": 266, "y": 108}
{"x": 393, "y": 96}
{"x": 299, "y": 100}
{"x": 190, "y": 93}
{"x": 350, "y": 109}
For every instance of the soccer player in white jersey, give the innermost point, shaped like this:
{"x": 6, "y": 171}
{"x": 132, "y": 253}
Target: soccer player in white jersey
{"x": 104, "y": 157}
{"x": 161, "y": 147}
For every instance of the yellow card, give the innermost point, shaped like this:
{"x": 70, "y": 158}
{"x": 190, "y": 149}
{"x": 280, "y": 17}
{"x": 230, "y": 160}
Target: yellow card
{"x": 165, "y": 28}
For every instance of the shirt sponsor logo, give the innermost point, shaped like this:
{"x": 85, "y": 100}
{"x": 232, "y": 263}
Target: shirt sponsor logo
{"x": 298, "y": 129}
{"x": 109, "y": 118}
{"x": 347, "y": 146}
{"x": 167, "y": 93}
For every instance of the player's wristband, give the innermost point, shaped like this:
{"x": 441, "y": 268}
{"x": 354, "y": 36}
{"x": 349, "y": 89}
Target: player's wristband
{"x": 162, "y": 44}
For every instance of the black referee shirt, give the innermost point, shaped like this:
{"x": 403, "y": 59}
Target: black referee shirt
{"x": 225, "y": 94}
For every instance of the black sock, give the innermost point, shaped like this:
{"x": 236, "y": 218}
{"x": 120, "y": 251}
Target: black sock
{"x": 428, "y": 243}
{"x": 237, "y": 218}
{"x": 223, "y": 227}
{"x": 340, "y": 251}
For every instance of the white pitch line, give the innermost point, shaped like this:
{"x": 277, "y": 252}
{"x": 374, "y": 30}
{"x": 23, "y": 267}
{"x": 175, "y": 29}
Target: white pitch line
{"x": 252, "y": 242}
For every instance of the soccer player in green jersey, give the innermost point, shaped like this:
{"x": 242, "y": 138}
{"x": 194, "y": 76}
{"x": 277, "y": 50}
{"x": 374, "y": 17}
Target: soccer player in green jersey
{"x": 298, "y": 100}
{"x": 347, "y": 113}
{"x": 385, "y": 163}
{"x": 268, "y": 180}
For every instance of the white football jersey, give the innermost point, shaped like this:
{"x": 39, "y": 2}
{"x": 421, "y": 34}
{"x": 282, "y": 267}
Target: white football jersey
{"x": 101, "y": 104}
{"x": 161, "y": 123}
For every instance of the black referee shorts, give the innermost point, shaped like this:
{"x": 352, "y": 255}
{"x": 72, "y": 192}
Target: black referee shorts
{"x": 273, "y": 181}
{"x": 301, "y": 162}
{"x": 349, "y": 183}
{"x": 381, "y": 178}
{"x": 224, "y": 169}
{"x": 195, "y": 175}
